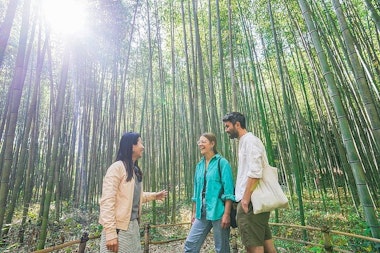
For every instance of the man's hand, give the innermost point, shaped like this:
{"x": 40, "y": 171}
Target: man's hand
{"x": 112, "y": 245}
{"x": 244, "y": 205}
{"x": 249, "y": 188}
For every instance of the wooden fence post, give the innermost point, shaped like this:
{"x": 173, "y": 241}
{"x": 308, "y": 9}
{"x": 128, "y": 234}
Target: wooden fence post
{"x": 327, "y": 239}
{"x": 146, "y": 237}
{"x": 83, "y": 241}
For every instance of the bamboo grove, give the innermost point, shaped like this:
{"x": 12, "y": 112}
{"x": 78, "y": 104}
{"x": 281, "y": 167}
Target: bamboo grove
{"x": 305, "y": 73}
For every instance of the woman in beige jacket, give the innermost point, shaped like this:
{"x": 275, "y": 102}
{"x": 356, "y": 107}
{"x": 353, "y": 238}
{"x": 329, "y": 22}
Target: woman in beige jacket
{"x": 122, "y": 196}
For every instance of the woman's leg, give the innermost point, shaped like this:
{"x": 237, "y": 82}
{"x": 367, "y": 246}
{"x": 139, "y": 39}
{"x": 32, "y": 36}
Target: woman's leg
{"x": 129, "y": 240}
{"x": 221, "y": 237}
{"x": 197, "y": 235}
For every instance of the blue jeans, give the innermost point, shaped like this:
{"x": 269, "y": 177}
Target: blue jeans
{"x": 199, "y": 231}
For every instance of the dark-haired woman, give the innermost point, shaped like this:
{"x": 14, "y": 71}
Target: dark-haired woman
{"x": 122, "y": 196}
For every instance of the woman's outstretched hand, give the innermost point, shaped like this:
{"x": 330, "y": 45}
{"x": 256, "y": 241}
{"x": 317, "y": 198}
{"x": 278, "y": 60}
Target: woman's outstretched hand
{"x": 161, "y": 195}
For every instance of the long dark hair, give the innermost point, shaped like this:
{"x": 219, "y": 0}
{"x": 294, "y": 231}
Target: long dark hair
{"x": 125, "y": 154}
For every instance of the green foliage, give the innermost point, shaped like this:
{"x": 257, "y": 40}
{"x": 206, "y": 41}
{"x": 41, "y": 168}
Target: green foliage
{"x": 315, "y": 249}
{"x": 75, "y": 221}
{"x": 315, "y": 216}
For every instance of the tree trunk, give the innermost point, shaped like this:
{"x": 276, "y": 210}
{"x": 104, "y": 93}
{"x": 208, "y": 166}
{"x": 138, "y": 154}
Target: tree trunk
{"x": 15, "y": 97}
{"x": 361, "y": 80}
{"x": 6, "y": 26}
{"x": 345, "y": 129}
{"x": 55, "y": 162}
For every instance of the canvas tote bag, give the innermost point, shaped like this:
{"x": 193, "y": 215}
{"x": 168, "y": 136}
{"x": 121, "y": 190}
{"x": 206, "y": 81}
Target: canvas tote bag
{"x": 268, "y": 194}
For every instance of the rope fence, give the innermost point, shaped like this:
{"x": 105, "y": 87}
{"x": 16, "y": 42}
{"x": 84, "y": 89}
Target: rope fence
{"x": 326, "y": 231}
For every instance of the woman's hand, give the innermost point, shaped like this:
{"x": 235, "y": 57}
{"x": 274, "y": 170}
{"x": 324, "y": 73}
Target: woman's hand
{"x": 161, "y": 195}
{"x": 226, "y": 220}
{"x": 192, "y": 218}
{"x": 112, "y": 245}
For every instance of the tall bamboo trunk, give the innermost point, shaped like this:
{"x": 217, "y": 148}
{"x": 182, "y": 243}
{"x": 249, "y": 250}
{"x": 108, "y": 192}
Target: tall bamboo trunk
{"x": 55, "y": 162}
{"x": 6, "y": 27}
{"x": 13, "y": 110}
{"x": 360, "y": 77}
{"x": 352, "y": 155}
{"x": 292, "y": 139}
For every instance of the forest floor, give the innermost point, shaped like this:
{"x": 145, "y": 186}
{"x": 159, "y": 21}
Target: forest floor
{"x": 72, "y": 226}
{"x": 74, "y": 222}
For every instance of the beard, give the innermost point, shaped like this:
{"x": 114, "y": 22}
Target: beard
{"x": 233, "y": 134}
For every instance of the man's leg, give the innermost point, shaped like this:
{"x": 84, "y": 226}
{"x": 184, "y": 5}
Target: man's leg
{"x": 255, "y": 249}
{"x": 269, "y": 246}
{"x": 253, "y": 229}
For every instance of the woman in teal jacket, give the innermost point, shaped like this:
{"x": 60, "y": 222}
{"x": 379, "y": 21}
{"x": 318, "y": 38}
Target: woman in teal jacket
{"x": 212, "y": 198}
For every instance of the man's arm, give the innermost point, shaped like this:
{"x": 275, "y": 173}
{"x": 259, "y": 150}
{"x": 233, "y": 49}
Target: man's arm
{"x": 250, "y": 187}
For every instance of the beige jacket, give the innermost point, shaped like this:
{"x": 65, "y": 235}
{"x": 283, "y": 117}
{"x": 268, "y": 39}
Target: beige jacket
{"x": 117, "y": 198}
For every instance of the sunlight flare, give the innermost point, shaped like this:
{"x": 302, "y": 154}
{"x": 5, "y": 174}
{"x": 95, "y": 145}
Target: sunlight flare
{"x": 65, "y": 17}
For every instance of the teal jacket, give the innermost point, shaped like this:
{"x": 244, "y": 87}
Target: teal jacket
{"x": 219, "y": 187}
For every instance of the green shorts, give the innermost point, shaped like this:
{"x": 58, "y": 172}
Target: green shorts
{"x": 253, "y": 228}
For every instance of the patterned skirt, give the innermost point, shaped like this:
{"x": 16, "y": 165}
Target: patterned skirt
{"x": 129, "y": 240}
